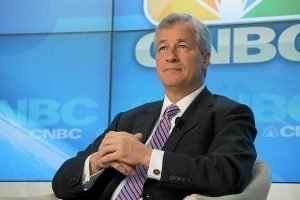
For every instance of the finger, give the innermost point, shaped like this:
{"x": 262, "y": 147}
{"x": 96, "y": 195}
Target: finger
{"x": 139, "y": 136}
{"x": 129, "y": 168}
{"x": 107, "y": 149}
{"x": 95, "y": 163}
{"x": 112, "y": 140}
{"x": 126, "y": 170}
{"x": 101, "y": 152}
{"x": 111, "y": 157}
{"x": 112, "y": 134}
{"x": 119, "y": 167}
{"x": 101, "y": 144}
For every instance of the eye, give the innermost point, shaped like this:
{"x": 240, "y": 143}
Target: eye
{"x": 182, "y": 46}
{"x": 162, "y": 48}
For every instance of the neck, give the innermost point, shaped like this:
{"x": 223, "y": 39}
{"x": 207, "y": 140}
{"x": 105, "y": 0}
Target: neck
{"x": 175, "y": 94}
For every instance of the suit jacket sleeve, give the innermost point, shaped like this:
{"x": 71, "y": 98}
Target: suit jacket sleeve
{"x": 67, "y": 182}
{"x": 215, "y": 157}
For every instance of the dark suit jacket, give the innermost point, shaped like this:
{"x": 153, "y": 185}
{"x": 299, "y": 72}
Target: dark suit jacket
{"x": 212, "y": 153}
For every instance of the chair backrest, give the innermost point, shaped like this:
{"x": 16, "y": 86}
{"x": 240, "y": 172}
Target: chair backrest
{"x": 38, "y": 197}
{"x": 26, "y": 191}
{"x": 257, "y": 189}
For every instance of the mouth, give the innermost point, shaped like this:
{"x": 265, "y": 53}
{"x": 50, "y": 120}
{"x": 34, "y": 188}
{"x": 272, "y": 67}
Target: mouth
{"x": 172, "y": 69}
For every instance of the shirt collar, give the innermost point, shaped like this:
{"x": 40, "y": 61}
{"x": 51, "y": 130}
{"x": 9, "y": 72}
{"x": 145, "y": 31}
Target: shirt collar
{"x": 183, "y": 103}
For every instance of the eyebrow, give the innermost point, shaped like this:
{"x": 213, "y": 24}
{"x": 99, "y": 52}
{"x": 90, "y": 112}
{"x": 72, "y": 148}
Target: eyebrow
{"x": 178, "y": 41}
{"x": 161, "y": 41}
{"x": 182, "y": 40}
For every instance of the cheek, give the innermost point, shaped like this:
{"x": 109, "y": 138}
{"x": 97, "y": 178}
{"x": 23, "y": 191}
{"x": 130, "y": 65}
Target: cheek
{"x": 191, "y": 63}
{"x": 158, "y": 62}
{"x": 158, "y": 70}
{"x": 193, "y": 67}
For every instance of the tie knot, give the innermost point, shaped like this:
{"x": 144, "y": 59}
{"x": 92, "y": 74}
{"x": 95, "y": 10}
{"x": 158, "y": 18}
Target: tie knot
{"x": 171, "y": 111}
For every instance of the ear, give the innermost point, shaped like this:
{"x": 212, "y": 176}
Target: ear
{"x": 206, "y": 61}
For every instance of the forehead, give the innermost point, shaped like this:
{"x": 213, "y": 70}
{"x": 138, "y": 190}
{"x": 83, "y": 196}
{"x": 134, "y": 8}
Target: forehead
{"x": 177, "y": 31}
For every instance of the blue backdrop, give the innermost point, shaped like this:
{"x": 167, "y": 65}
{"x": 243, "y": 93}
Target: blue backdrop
{"x": 66, "y": 69}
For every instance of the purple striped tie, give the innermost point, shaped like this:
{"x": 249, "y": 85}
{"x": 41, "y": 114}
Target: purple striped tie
{"x": 132, "y": 190}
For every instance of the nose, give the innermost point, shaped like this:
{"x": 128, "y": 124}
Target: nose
{"x": 172, "y": 55}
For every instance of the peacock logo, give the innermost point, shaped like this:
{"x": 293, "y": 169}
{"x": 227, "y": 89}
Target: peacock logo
{"x": 225, "y": 11}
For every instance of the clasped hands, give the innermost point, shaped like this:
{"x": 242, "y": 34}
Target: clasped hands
{"x": 122, "y": 151}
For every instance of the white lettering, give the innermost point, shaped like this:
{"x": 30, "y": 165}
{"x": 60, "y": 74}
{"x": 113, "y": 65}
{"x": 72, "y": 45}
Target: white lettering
{"x": 249, "y": 44}
{"x": 290, "y": 131}
{"x": 222, "y": 55}
{"x": 287, "y": 41}
{"x": 56, "y": 134}
{"x": 242, "y": 45}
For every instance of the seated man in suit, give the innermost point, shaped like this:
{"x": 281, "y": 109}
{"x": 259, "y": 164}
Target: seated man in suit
{"x": 192, "y": 141}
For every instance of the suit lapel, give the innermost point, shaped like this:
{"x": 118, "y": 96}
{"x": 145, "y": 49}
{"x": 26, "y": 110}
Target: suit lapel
{"x": 145, "y": 121}
{"x": 191, "y": 117}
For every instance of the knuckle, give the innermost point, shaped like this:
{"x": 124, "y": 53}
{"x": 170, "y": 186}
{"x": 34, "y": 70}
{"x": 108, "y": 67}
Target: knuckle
{"x": 122, "y": 152}
{"x": 108, "y": 134}
{"x": 103, "y": 142}
{"x": 108, "y": 157}
{"x": 104, "y": 149}
{"x": 117, "y": 165}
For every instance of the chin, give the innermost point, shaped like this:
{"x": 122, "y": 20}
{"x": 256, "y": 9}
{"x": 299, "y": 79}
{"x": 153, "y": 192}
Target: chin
{"x": 171, "y": 84}
{"x": 172, "y": 80}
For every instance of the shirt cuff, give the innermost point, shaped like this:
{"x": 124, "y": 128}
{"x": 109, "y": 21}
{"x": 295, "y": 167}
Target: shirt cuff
{"x": 88, "y": 180}
{"x": 155, "y": 166}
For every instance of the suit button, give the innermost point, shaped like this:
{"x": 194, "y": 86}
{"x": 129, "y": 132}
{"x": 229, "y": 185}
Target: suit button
{"x": 172, "y": 178}
{"x": 156, "y": 172}
{"x": 147, "y": 196}
{"x": 177, "y": 178}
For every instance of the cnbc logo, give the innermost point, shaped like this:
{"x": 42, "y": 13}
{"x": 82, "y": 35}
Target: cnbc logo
{"x": 256, "y": 43}
{"x": 225, "y": 11}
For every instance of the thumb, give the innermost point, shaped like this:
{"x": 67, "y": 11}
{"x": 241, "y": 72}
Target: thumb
{"x": 138, "y": 136}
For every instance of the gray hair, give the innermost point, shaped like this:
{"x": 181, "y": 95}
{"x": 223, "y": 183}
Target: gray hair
{"x": 202, "y": 36}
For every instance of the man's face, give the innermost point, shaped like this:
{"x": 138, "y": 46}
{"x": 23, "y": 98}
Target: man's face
{"x": 179, "y": 62}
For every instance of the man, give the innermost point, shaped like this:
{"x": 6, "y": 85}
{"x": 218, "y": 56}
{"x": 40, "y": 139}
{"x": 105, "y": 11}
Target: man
{"x": 191, "y": 142}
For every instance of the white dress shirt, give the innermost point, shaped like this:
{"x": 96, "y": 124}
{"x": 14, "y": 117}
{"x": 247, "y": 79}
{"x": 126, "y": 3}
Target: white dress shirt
{"x": 156, "y": 156}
